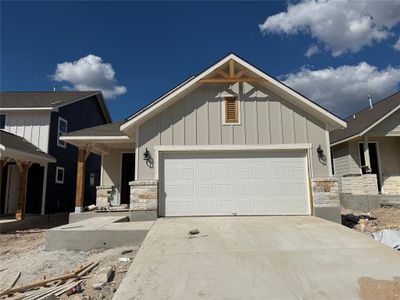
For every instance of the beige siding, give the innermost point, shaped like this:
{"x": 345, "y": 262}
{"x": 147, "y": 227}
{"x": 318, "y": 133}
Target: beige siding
{"x": 197, "y": 119}
{"x": 388, "y": 127}
{"x": 341, "y": 159}
{"x": 111, "y": 168}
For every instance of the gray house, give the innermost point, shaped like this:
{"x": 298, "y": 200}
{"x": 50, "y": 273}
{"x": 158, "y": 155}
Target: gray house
{"x": 230, "y": 141}
{"x": 366, "y": 154}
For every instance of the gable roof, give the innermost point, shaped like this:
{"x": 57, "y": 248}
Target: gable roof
{"x": 106, "y": 130}
{"x": 47, "y": 100}
{"x": 366, "y": 119}
{"x": 159, "y": 104}
{"x": 12, "y": 143}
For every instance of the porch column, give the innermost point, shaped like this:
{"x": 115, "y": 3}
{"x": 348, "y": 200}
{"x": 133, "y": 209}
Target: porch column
{"x": 366, "y": 154}
{"x": 80, "y": 181}
{"x": 23, "y": 176}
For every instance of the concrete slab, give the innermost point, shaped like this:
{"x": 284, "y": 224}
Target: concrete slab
{"x": 97, "y": 232}
{"x": 255, "y": 258}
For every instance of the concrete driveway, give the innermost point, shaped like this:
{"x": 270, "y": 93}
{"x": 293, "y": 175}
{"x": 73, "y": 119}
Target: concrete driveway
{"x": 257, "y": 258}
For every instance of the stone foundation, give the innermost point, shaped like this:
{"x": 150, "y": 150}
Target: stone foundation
{"x": 103, "y": 196}
{"x": 391, "y": 183}
{"x": 326, "y": 200}
{"x": 357, "y": 184}
{"x": 144, "y": 195}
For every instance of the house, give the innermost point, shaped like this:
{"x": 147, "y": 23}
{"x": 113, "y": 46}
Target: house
{"x": 231, "y": 140}
{"x": 366, "y": 154}
{"x": 38, "y": 170}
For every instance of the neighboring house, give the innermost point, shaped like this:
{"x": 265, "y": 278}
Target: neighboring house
{"x": 38, "y": 169}
{"x": 366, "y": 154}
{"x": 229, "y": 141}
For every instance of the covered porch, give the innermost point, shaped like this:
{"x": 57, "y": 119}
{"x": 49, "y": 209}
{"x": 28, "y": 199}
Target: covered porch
{"x": 379, "y": 158}
{"x": 117, "y": 151}
{"x": 23, "y": 177}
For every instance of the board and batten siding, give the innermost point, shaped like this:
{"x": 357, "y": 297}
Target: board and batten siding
{"x": 197, "y": 119}
{"x": 31, "y": 125}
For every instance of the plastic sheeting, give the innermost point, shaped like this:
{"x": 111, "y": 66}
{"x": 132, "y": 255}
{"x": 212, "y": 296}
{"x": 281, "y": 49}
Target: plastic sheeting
{"x": 388, "y": 237}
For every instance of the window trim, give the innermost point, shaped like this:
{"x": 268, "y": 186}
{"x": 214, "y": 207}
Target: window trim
{"x": 58, "y": 168}
{"x": 224, "y": 103}
{"x": 60, "y": 143}
{"x": 5, "y": 120}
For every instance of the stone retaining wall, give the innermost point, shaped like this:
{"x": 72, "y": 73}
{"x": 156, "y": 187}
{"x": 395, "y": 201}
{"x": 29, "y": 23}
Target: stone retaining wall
{"x": 358, "y": 184}
{"x": 325, "y": 195}
{"x": 103, "y": 193}
{"x": 144, "y": 195}
{"x": 391, "y": 184}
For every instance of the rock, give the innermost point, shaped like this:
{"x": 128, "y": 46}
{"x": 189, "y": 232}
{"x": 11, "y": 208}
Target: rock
{"x": 126, "y": 251}
{"x": 102, "y": 276}
{"x": 194, "y": 231}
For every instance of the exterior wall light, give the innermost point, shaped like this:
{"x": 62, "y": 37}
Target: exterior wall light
{"x": 147, "y": 155}
{"x": 320, "y": 152}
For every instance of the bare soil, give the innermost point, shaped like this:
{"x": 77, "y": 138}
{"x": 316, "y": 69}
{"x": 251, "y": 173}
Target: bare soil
{"x": 23, "y": 251}
{"x": 378, "y": 219}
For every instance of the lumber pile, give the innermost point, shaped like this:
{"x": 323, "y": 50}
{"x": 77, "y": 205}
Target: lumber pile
{"x": 51, "y": 288}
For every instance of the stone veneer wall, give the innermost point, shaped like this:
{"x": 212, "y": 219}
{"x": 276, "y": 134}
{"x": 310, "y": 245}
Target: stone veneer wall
{"x": 391, "y": 183}
{"x": 144, "y": 195}
{"x": 103, "y": 193}
{"x": 326, "y": 201}
{"x": 365, "y": 184}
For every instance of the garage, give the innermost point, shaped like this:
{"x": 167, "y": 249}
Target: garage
{"x": 205, "y": 183}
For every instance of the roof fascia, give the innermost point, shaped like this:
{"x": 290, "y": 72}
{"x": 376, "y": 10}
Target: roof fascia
{"x": 27, "y": 108}
{"x": 25, "y": 155}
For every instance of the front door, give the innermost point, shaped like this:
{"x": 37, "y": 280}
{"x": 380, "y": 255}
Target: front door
{"x": 12, "y": 190}
{"x": 127, "y": 175}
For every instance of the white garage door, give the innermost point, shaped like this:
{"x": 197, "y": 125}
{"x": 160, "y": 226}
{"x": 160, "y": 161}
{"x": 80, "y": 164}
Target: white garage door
{"x": 233, "y": 183}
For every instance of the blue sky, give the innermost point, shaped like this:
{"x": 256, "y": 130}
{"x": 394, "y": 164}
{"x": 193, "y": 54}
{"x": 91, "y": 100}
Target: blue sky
{"x": 141, "y": 50}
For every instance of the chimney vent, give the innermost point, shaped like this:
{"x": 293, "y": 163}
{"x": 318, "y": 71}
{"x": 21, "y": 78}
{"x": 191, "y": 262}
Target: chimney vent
{"x": 370, "y": 102}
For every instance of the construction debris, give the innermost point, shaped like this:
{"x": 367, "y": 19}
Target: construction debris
{"x": 102, "y": 276}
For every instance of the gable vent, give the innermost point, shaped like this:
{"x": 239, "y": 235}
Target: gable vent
{"x": 231, "y": 110}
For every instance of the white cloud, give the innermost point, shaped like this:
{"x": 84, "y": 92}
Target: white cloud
{"x": 344, "y": 90}
{"x": 89, "y": 73}
{"x": 345, "y": 25}
{"x": 312, "y": 50}
{"x": 396, "y": 46}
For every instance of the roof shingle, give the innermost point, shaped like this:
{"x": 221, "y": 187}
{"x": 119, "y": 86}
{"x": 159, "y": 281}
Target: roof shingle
{"x": 15, "y": 142}
{"x": 365, "y": 118}
{"x": 111, "y": 129}
{"x": 40, "y": 99}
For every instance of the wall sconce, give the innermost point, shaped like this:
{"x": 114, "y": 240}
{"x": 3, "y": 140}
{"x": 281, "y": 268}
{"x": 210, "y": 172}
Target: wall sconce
{"x": 147, "y": 155}
{"x": 320, "y": 152}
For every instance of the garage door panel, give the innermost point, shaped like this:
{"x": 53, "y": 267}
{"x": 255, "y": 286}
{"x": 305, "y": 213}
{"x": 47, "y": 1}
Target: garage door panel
{"x": 227, "y": 183}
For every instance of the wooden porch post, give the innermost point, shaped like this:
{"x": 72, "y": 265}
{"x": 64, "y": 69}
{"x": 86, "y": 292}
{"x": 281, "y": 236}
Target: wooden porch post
{"x": 80, "y": 181}
{"x": 23, "y": 175}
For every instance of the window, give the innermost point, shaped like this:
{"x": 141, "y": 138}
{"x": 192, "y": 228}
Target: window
{"x": 92, "y": 178}
{"x": 2, "y": 121}
{"x": 62, "y": 128}
{"x": 231, "y": 110}
{"x": 60, "y": 175}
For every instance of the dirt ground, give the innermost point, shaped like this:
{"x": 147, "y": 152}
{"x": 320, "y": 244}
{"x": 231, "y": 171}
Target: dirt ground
{"x": 378, "y": 219}
{"x": 23, "y": 251}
